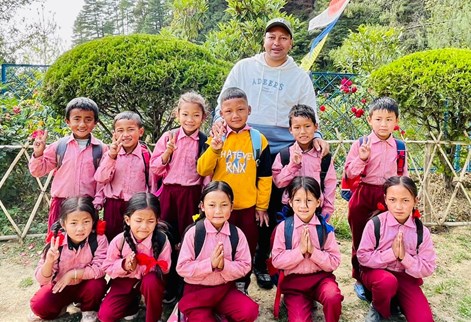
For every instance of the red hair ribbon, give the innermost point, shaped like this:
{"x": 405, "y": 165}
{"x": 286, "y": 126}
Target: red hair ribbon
{"x": 100, "y": 227}
{"x": 416, "y": 213}
{"x": 381, "y": 206}
{"x": 150, "y": 261}
{"x": 51, "y": 234}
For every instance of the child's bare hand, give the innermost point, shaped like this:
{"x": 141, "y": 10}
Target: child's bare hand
{"x": 65, "y": 280}
{"x": 217, "y": 143}
{"x": 261, "y": 217}
{"x": 116, "y": 145}
{"x": 53, "y": 252}
{"x": 130, "y": 262}
{"x": 309, "y": 243}
{"x": 171, "y": 144}
{"x": 296, "y": 157}
{"x": 303, "y": 244}
{"x": 395, "y": 246}
{"x": 365, "y": 148}
{"x": 217, "y": 256}
{"x": 39, "y": 144}
{"x": 402, "y": 250}
{"x": 218, "y": 128}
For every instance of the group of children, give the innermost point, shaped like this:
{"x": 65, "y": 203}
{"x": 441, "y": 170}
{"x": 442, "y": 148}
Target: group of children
{"x": 227, "y": 179}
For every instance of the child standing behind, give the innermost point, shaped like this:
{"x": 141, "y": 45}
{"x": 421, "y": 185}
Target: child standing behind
{"x": 74, "y": 158}
{"x": 374, "y": 161}
{"x": 122, "y": 170}
{"x": 232, "y": 159}
{"x": 304, "y": 160}
{"x": 136, "y": 261}
{"x": 70, "y": 269}
{"x": 210, "y": 273}
{"x": 174, "y": 159}
{"x": 307, "y": 264}
{"x": 394, "y": 263}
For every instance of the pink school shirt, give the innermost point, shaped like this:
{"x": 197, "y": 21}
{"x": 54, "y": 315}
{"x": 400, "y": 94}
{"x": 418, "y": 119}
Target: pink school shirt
{"x": 75, "y": 176}
{"x": 416, "y": 265}
{"x": 123, "y": 176}
{"x": 71, "y": 258}
{"x": 310, "y": 166}
{"x": 200, "y": 271}
{"x": 293, "y": 262}
{"x": 119, "y": 249}
{"x": 381, "y": 165}
{"x": 181, "y": 169}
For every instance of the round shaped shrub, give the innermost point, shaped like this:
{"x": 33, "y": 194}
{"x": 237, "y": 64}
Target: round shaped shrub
{"x": 141, "y": 73}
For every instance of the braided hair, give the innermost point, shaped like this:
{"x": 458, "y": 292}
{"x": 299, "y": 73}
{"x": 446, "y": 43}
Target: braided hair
{"x": 141, "y": 201}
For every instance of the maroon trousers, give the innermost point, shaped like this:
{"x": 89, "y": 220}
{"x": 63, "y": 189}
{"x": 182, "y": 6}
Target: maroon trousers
{"x": 201, "y": 303}
{"x": 113, "y": 214}
{"x": 48, "y": 305}
{"x": 54, "y": 211}
{"x": 385, "y": 285}
{"x": 300, "y": 290}
{"x": 124, "y": 297}
{"x": 363, "y": 203}
{"x": 245, "y": 220}
{"x": 178, "y": 205}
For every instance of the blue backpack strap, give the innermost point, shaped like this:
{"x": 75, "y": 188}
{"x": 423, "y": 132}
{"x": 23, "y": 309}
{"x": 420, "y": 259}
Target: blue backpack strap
{"x": 234, "y": 237}
{"x": 60, "y": 151}
{"x": 420, "y": 232}
{"x": 256, "y": 138}
{"x": 377, "y": 227}
{"x": 289, "y": 227}
{"x": 284, "y": 156}
{"x": 322, "y": 231}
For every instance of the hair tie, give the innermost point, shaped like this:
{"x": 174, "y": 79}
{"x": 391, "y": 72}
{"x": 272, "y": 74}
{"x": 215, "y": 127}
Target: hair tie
{"x": 416, "y": 213}
{"x": 100, "y": 227}
{"x": 381, "y": 207}
{"x": 50, "y": 235}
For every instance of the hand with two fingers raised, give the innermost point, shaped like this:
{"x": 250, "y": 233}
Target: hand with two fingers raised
{"x": 365, "y": 149}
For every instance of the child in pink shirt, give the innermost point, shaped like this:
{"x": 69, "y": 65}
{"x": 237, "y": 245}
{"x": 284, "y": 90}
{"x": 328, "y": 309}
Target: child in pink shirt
{"x": 304, "y": 159}
{"x": 374, "y": 161}
{"x": 136, "y": 261}
{"x": 394, "y": 263}
{"x": 73, "y": 174}
{"x": 123, "y": 170}
{"x": 210, "y": 272}
{"x": 70, "y": 269}
{"x": 307, "y": 264}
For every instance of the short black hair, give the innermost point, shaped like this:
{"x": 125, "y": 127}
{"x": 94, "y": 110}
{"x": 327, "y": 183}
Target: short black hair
{"x": 233, "y": 92}
{"x": 82, "y": 103}
{"x": 128, "y": 115}
{"x": 302, "y": 111}
{"x": 384, "y": 103}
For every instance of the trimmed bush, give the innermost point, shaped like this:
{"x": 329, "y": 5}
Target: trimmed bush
{"x": 142, "y": 73}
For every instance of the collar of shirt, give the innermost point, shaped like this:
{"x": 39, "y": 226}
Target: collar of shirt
{"x": 374, "y": 139}
{"x": 91, "y": 140}
{"x": 211, "y": 229}
{"x": 391, "y": 221}
{"x": 71, "y": 245}
{"x": 137, "y": 150}
{"x": 229, "y": 130}
{"x": 313, "y": 222}
{"x": 311, "y": 151}
{"x": 181, "y": 134}
{"x": 147, "y": 242}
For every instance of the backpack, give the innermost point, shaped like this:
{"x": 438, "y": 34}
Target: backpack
{"x": 277, "y": 275}
{"x": 349, "y": 185}
{"x": 256, "y": 138}
{"x": 146, "y": 154}
{"x": 418, "y": 224}
{"x": 97, "y": 152}
{"x": 200, "y": 235}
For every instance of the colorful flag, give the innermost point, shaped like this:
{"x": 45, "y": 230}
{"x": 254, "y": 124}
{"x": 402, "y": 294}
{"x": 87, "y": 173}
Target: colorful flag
{"x": 316, "y": 47}
{"x": 329, "y": 15}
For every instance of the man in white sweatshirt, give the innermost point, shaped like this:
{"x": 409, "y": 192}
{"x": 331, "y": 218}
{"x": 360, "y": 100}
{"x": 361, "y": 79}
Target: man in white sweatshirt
{"x": 274, "y": 83}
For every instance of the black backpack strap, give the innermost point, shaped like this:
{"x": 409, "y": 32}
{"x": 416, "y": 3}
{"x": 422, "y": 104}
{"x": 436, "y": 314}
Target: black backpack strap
{"x": 377, "y": 226}
{"x": 289, "y": 227}
{"x": 234, "y": 237}
{"x": 146, "y": 159}
{"x": 321, "y": 231}
{"x": 97, "y": 153}
{"x": 325, "y": 165}
{"x": 60, "y": 151}
{"x": 201, "y": 143}
{"x": 284, "y": 156}
{"x": 93, "y": 243}
{"x": 200, "y": 234}
{"x": 420, "y": 232}
{"x": 161, "y": 239}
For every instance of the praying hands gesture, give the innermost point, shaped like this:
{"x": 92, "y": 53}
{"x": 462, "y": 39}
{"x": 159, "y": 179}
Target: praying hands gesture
{"x": 398, "y": 246}
{"x": 217, "y": 257}
{"x": 305, "y": 246}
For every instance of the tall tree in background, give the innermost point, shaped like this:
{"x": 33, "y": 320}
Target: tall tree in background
{"x": 150, "y": 15}
{"x": 187, "y": 18}
{"x": 301, "y": 9}
{"x": 124, "y": 17}
{"x": 95, "y": 20}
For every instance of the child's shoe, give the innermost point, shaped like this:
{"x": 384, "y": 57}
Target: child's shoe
{"x": 360, "y": 291}
{"x": 88, "y": 316}
{"x": 131, "y": 317}
{"x": 33, "y": 317}
{"x": 372, "y": 315}
{"x": 241, "y": 287}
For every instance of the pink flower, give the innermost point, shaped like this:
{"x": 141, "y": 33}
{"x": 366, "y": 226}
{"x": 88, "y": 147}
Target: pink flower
{"x": 37, "y": 133}
{"x": 16, "y": 109}
{"x": 344, "y": 81}
{"x": 354, "y": 89}
{"x": 349, "y": 83}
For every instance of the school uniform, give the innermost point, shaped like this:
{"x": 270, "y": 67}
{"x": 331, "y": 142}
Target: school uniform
{"x": 381, "y": 165}
{"x": 121, "y": 179}
{"x": 74, "y": 178}
{"x": 89, "y": 290}
{"x": 207, "y": 290}
{"x": 387, "y": 277}
{"x": 308, "y": 278}
{"x": 126, "y": 287}
{"x": 182, "y": 184}
{"x": 310, "y": 166}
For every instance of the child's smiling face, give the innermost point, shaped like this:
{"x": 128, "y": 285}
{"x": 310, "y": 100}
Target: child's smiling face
{"x": 81, "y": 123}
{"x": 217, "y": 208}
{"x": 190, "y": 116}
{"x": 235, "y": 112}
{"x": 303, "y": 130}
{"x": 304, "y": 204}
{"x": 129, "y": 133}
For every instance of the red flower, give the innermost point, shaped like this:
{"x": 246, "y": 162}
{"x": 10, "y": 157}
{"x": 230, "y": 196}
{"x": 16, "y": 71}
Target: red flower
{"x": 354, "y": 89}
{"x": 100, "y": 227}
{"x": 354, "y": 109}
{"x": 349, "y": 83}
{"x": 381, "y": 206}
{"x": 51, "y": 234}
{"x": 322, "y": 108}
{"x": 37, "y": 133}
{"x": 403, "y": 132}
{"x": 396, "y": 128}
{"x": 361, "y": 111}
{"x": 357, "y": 114}
{"x": 344, "y": 81}
{"x": 363, "y": 100}
{"x": 416, "y": 213}
{"x": 150, "y": 261}
{"x": 16, "y": 109}
{"x": 346, "y": 90}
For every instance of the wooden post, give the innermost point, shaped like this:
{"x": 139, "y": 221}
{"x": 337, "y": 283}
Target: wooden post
{"x": 427, "y": 206}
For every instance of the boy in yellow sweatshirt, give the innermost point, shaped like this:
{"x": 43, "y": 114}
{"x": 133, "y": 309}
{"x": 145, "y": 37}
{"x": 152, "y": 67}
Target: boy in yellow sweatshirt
{"x": 235, "y": 158}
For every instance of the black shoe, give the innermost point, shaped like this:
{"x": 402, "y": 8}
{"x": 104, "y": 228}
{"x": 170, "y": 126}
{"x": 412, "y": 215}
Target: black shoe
{"x": 263, "y": 280}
